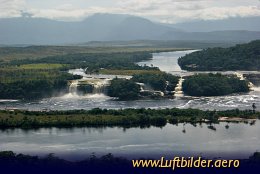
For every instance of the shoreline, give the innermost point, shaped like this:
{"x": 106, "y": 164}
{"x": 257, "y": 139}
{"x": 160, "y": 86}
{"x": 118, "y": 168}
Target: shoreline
{"x": 125, "y": 118}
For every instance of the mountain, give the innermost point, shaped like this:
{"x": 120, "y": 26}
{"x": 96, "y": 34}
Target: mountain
{"x": 230, "y": 35}
{"x": 235, "y": 23}
{"x": 135, "y": 28}
{"x": 103, "y": 27}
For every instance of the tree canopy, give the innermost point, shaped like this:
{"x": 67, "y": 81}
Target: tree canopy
{"x": 213, "y": 85}
{"x": 239, "y": 57}
{"x": 124, "y": 89}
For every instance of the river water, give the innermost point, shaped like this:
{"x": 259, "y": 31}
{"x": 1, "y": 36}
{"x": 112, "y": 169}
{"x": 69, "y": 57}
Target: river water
{"x": 235, "y": 141}
{"x": 166, "y": 62}
{"x": 238, "y": 141}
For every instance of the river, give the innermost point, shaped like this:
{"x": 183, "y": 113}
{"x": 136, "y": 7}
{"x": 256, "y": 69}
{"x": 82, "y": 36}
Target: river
{"x": 238, "y": 141}
{"x": 166, "y": 62}
{"x": 232, "y": 141}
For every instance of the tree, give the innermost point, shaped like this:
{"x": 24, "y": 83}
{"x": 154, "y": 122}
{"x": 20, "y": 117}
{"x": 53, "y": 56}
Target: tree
{"x": 123, "y": 89}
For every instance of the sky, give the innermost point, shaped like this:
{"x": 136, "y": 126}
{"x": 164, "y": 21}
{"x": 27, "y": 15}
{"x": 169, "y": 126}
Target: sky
{"x": 166, "y": 11}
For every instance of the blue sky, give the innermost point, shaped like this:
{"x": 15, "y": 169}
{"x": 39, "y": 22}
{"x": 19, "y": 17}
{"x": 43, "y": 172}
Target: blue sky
{"x": 168, "y": 11}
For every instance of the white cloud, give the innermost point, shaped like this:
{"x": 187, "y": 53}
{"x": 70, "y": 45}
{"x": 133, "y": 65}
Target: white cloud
{"x": 70, "y": 13}
{"x": 11, "y": 8}
{"x": 177, "y": 11}
{"x": 159, "y": 10}
{"x": 211, "y": 13}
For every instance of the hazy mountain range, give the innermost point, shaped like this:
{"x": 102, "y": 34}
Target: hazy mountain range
{"x": 112, "y": 27}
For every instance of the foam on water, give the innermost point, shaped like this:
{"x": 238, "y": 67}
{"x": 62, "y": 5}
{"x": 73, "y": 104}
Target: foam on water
{"x": 7, "y": 100}
{"x": 86, "y": 96}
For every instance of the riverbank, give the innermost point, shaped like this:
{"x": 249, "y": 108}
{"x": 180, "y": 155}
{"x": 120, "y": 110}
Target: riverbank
{"x": 122, "y": 118}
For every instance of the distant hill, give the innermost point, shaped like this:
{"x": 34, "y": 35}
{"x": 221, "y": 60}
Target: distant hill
{"x": 135, "y": 28}
{"x": 239, "y": 57}
{"x": 103, "y": 27}
{"x": 235, "y": 23}
{"x": 232, "y": 35}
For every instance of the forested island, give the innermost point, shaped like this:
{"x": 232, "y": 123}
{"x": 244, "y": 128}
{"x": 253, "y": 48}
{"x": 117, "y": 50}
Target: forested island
{"x": 161, "y": 82}
{"x": 146, "y": 85}
{"x": 124, "y": 89}
{"x": 213, "y": 85}
{"x": 240, "y": 57}
{"x": 195, "y": 85}
{"x": 123, "y": 118}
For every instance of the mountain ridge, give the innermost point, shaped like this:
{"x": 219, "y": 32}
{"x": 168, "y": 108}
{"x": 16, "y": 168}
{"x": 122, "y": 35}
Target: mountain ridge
{"x": 104, "y": 27}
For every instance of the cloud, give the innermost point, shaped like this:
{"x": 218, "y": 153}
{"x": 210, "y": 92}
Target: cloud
{"x": 11, "y": 8}
{"x": 212, "y": 13}
{"x": 70, "y": 13}
{"x": 170, "y": 11}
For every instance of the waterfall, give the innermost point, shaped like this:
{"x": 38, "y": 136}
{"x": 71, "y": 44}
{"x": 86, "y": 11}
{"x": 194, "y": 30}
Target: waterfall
{"x": 251, "y": 85}
{"x": 241, "y": 77}
{"x": 73, "y": 87}
{"x": 178, "y": 89}
{"x": 142, "y": 86}
{"x": 87, "y": 88}
{"x": 99, "y": 88}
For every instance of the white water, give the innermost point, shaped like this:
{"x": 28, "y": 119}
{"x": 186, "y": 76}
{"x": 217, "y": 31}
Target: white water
{"x": 73, "y": 88}
{"x": 241, "y": 77}
{"x": 166, "y": 62}
{"x": 178, "y": 90}
{"x": 99, "y": 84}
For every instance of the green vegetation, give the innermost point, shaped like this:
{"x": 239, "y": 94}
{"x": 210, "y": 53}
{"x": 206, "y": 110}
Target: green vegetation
{"x": 8, "y": 54}
{"x": 43, "y": 77}
{"x": 129, "y": 89}
{"x": 37, "y": 77}
{"x": 157, "y": 81}
{"x": 42, "y": 66}
{"x": 213, "y": 85}
{"x": 33, "y": 79}
{"x": 92, "y": 62}
{"x": 240, "y": 57}
{"x": 103, "y": 117}
{"x": 124, "y": 89}
{"x": 20, "y": 83}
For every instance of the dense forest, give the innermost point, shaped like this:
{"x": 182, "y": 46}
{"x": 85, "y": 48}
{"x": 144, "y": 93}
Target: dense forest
{"x": 161, "y": 82}
{"x": 213, "y": 85}
{"x": 124, "y": 118}
{"x": 124, "y": 89}
{"x": 93, "y": 62}
{"x": 130, "y": 89}
{"x": 239, "y": 57}
{"x": 18, "y": 83}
